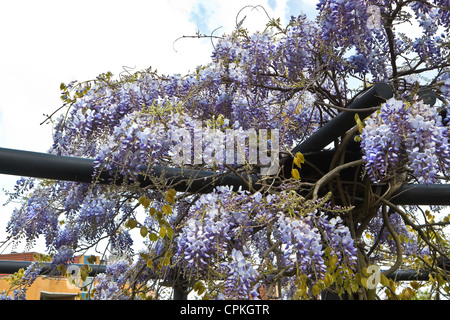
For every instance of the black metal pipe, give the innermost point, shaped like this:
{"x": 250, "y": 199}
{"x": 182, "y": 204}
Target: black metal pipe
{"x": 33, "y": 164}
{"x": 198, "y": 181}
{"x": 12, "y": 266}
{"x": 49, "y": 166}
{"x": 420, "y": 194}
{"x": 46, "y": 166}
{"x": 409, "y": 275}
{"x": 41, "y": 165}
{"x": 344, "y": 121}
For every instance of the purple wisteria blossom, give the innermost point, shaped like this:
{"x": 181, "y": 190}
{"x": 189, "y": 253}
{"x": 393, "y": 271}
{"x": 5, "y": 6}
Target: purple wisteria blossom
{"x": 403, "y": 136}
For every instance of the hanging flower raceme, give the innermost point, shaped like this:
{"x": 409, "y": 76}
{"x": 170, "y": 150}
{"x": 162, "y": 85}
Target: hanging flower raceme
{"x": 404, "y": 136}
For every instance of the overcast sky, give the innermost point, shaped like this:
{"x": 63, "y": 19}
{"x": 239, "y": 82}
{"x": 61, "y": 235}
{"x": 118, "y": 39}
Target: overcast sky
{"x": 46, "y": 42}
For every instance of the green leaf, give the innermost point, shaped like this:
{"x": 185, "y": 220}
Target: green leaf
{"x": 295, "y": 174}
{"x": 162, "y": 232}
{"x": 315, "y": 290}
{"x": 153, "y": 237}
{"x": 144, "y": 232}
{"x": 169, "y": 232}
{"x": 131, "y": 224}
{"x": 359, "y": 123}
{"x": 144, "y": 201}
{"x": 167, "y": 209}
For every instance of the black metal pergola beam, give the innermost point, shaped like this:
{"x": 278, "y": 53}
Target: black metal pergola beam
{"x": 49, "y": 166}
{"x": 344, "y": 121}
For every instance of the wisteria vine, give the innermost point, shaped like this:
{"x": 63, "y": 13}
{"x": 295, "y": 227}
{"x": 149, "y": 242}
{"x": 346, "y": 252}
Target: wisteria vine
{"x": 242, "y": 244}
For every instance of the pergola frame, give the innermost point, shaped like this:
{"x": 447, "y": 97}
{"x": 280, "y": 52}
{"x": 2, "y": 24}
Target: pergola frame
{"x": 49, "y": 166}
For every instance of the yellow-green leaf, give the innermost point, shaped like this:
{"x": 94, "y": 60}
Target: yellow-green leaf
{"x": 170, "y": 195}
{"x": 315, "y": 290}
{"x": 415, "y": 285}
{"x": 300, "y": 157}
{"x": 384, "y": 280}
{"x": 198, "y": 285}
{"x": 364, "y": 282}
{"x": 153, "y": 236}
{"x": 169, "y": 232}
{"x": 167, "y": 209}
{"x": 92, "y": 259}
{"x": 131, "y": 224}
{"x": 144, "y": 232}
{"x": 162, "y": 232}
{"x": 144, "y": 201}
{"x": 295, "y": 174}
{"x": 333, "y": 261}
{"x": 359, "y": 123}
{"x": 201, "y": 291}
{"x": 144, "y": 256}
{"x": 328, "y": 280}
{"x": 166, "y": 261}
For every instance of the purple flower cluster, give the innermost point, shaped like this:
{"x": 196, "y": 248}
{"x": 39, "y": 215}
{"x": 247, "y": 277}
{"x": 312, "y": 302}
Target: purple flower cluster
{"x": 337, "y": 236}
{"x": 110, "y": 283}
{"x": 381, "y": 234}
{"x": 18, "y": 294}
{"x": 302, "y": 245}
{"x": 358, "y": 25}
{"x": 205, "y": 236}
{"x": 215, "y": 220}
{"x": 305, "y": 239}
{"x": 35, "y": 218}
{"x": 405, "y": 136}
{"x": 431, "y": 45}
{"x": 242, "y": 276}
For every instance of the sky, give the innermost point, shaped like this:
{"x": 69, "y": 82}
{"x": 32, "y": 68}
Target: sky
{"x": 46, "y": 42}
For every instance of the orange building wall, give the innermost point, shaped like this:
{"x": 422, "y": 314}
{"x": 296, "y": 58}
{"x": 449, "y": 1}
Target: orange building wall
{"x": 44, "y": 284}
